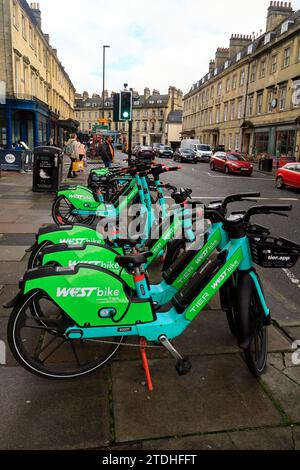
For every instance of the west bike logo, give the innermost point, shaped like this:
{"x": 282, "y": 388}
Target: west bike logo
{"x": 210, "y": 291}
{"x": 198, "y": 261}
{"x": 79, "y": 241}
{"x": 81, "y": 197}
{"x": 80, "y": 292}
{"x": 102, "y": 264}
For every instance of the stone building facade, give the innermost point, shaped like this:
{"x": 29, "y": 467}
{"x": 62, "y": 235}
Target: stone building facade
{"x": 150, "y": 114}
{"x": 39, "y": 95}
{"x": 250, "y": 98}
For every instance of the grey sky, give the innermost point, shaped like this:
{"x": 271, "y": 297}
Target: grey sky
{"x": 153, "y": 43}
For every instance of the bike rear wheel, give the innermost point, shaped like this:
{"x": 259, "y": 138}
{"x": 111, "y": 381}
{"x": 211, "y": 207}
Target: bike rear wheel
{"x": 62, "y": 213}
{"x": 39, "y": 345}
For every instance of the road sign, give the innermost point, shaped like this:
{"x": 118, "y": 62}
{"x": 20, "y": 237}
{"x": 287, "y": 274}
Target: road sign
{"x": 103, "y": 120}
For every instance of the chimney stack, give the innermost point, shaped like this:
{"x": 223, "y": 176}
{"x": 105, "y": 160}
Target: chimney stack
{"x": 212, "y": 66}
{"x": 277, "y": 13}
{"x": 238, "y": 42}
{"x": 222, "y": 54}
{"x": 35, "y": 7}
{"x": 146, "y": 93}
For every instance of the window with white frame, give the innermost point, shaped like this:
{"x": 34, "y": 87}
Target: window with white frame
{"x": 282, "y": 98}
{"x": 230, "y": 142}
{"x": 262, "y": 68}
{"x": 270, "y": 100}
{"x": 219, "y": 88}
{"x": 218, "y": 108}
{"x": 274, "y": 63}
{"x": 227, "y": 85}
{"x": 253, "y": 73}
{"x": 259, "y": 103}
{"x": 286, "y": 57}
{"x": 31, "y": 36}
{"x": 234, "y": 80}
{"x": 242, "y": 77}
{"x": 232, "y": 110}
{"x": 225, "y": 112}
{"x": 24, "y": 28}
{"x": 240, "y": 108}
{"x": 15, "y": 14}
{"x": 250, "y": 105}
{"x": 237, "y": 142}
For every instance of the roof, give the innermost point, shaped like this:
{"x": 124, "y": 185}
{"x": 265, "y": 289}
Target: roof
{"x": 292, "y": 20}
{"x": 175, "y": 116}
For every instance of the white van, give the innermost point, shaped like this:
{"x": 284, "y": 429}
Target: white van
{"x": 203, "y": 152}
{"x": 189, "y": 143}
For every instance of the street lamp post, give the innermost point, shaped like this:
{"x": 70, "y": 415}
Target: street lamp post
{"x": 103, "y": 98}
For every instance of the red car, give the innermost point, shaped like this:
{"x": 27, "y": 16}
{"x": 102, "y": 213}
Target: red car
{"x": 288, "y": 175}
{"x": 231, "y": 162}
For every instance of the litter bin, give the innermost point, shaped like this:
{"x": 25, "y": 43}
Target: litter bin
{"x": 47, "y": 169}
{"x": 267, "y": 165}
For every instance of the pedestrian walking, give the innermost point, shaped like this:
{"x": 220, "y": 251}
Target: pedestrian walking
{"x": 81, "y": 150}
{"x": 107, "y": 152}
{"x": 72, "y": 151}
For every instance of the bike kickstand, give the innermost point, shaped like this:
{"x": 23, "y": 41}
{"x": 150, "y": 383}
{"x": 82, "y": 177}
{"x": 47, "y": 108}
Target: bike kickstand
{"x": 143, "y": 344}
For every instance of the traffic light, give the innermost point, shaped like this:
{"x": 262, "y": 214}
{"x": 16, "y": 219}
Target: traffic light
{"x": 116, "y": 107}
{"x": 125, "y": 106}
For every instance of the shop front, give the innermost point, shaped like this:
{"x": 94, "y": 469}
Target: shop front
{"x": 24, "y": 120}
{"x": 277, "y": 141}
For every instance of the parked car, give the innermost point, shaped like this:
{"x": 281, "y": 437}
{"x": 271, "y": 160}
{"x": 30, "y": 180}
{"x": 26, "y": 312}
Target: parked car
{"x": 219, "y": 148}
{"x": 164, "y": 152}
{"x": 156, "y": 146}
{"x": 202, "y": 152}
{"x": 231, "y": 162}
{"x": 184, "y": 155}
{"x": 288, "y": 175}
{"x": 144, "y": 152}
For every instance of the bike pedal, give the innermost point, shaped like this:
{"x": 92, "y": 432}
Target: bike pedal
{"x": 183, "y": 366}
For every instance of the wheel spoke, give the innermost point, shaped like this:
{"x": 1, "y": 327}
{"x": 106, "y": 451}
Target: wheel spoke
{"x": 54, "y": 350}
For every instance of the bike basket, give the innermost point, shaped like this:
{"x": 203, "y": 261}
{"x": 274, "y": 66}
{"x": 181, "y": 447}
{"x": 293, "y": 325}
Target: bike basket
{"x": 272, "y": 252}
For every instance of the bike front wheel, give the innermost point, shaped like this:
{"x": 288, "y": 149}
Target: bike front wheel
{"x": 39, "y": 344}
{"x": 257, "y": 351}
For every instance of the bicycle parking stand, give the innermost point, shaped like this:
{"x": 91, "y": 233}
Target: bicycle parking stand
{"x": 143, "y": 344}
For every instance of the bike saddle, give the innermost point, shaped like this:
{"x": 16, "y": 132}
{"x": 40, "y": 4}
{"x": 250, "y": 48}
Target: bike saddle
{"x": 133, "y": 261}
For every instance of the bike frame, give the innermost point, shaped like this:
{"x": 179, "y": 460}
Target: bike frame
{"x": 172, "y": 323}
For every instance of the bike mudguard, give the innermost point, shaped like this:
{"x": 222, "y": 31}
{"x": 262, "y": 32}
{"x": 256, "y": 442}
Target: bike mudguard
{"x": 81, "y": 198}
{"x": 70, "y": 235}
{"x": 90, "y": 296}
{"x": 91, "y": 253}
{"x": 100, "y": 171}
{"x": 245, "y": 289}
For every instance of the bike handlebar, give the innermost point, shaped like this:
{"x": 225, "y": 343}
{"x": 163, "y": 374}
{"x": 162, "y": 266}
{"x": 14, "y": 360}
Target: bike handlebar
{"x": 255, "y": 210}
{"x": 267, "y": 209}
{"x": 238, "y": 197}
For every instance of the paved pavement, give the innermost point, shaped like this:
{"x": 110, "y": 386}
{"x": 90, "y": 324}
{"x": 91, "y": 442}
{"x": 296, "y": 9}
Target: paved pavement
{"x": 219, "y": 405}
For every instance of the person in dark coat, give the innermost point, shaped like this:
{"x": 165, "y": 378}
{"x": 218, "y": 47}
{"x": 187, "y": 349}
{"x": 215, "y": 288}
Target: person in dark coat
{"x": 107, "y": 152}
